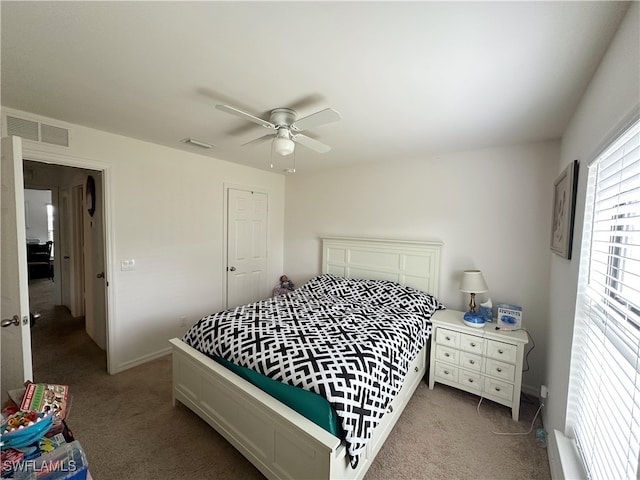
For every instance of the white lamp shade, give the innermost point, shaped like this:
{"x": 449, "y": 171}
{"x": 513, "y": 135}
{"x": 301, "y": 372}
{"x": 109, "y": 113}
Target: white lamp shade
{"x": 283, "y": 146}
{"x": 473, "y": 282}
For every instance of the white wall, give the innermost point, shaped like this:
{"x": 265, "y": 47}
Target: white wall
{"x": 609, "y": 102}
{"x": 491, "y": 208}
{"x": 165, "y": 210}
{"x": 36, "y": 214}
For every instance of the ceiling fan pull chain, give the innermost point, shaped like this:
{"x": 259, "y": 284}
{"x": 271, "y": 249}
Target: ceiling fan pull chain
{"x": 271, "y": 156}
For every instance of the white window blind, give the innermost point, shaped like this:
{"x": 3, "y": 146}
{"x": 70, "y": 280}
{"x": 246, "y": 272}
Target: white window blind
{"x": 604, "y": 403}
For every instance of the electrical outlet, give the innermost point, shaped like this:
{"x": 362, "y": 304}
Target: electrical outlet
{"x": 127, "y": 265}
{"x": 543, "y": 391}
{"x": 183, "y": 321}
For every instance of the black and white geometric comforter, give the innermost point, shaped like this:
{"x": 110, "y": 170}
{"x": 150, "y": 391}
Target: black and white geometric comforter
{"x": 349, "y": 340}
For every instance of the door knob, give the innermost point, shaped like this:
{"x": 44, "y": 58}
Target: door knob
{"x": 14, "y": 321}
{"x": 100, "y": 275}
{"x": 232, "y": 269}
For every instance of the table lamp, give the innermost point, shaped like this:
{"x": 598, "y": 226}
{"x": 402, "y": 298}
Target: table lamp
{"x": 473, "y": 282}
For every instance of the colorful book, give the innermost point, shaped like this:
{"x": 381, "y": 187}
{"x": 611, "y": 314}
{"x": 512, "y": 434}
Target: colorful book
{"x": 45, "y": 397}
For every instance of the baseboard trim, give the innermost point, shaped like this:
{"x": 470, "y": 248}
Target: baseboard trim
{"x": 141, "y": 360}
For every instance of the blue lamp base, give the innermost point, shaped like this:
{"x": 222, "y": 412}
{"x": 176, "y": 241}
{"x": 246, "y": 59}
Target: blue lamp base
{"x": 474, "y": 319}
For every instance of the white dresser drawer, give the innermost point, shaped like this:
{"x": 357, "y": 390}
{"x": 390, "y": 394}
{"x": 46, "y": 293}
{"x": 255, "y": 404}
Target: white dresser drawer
{"x": 502, "y": 351}
{"x": 498, "y": 388}
{"x": 447, "y": 354}
{"x": 446, "y": 372}
{"x": 470, "y": 361}
{"x": 470, "y": 380}
{"x": 448, "y": 337}
{"x": 470, "y": 343}
{"x": 505, "y": 371}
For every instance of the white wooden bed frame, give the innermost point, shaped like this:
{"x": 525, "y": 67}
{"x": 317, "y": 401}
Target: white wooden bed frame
{"x": 280, "y": 442}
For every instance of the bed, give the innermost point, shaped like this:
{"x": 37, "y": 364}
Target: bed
{"x": 279, "y": 441}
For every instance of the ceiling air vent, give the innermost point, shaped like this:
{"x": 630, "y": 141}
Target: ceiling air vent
{"x": 20, "y": 127}
{"x": 38, "y": 132}
{"x": 54, "y": 135}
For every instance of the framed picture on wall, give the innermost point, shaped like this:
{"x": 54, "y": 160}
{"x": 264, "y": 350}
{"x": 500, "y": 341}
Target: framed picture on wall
{"x": 564, "y": 209}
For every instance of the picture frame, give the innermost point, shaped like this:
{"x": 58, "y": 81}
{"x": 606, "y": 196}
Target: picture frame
{"x": 564, "y": 209}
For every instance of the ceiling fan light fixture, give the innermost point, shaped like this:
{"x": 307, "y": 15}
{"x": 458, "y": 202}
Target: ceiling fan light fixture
{"x": 283, "y": 146}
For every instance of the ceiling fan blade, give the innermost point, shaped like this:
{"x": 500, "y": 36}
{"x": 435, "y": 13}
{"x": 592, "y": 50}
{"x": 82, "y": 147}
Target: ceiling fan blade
{"x": 308, "y": 101}
{"x": 311, "y": 143}
{"x": 260, "y": 139}
{"x": 246, "y": 116}
{"x": 327, "y": 115}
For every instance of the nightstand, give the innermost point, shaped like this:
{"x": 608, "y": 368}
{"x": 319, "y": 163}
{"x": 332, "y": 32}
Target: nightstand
{"x": 483, "y": 361}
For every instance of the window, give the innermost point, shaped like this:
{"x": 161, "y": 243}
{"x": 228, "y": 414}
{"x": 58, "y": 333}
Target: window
{"x": 50, "y": 225}
{"x": 604, "y": 400}
{"x": 49, "y": 222}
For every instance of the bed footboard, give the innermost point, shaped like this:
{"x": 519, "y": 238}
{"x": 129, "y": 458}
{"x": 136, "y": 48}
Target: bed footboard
{"x": 280, "y": 442}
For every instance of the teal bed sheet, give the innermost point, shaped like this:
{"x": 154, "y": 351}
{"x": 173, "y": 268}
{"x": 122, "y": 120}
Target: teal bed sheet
{"x": 311, "y": 405}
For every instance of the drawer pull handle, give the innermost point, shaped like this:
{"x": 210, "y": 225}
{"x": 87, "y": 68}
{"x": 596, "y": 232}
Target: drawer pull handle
{"x": 470, "y": 380}
{"x": 447, "y": 355}
{"x": 498, "y": 369}
{"x": 446, "y": 372}
{"x": 447, "y": 338}
{"x": 500, "y": 351}
{"x": 472, "y": 362}
{"x": 497, "y": 389}
{"x": 473, "y": 344}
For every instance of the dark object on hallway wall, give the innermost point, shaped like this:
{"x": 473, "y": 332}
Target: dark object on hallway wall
{"x": 91, "y": 195}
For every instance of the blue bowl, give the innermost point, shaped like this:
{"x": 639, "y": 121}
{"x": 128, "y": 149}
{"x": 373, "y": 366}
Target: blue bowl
{"x": 28, "y": 435}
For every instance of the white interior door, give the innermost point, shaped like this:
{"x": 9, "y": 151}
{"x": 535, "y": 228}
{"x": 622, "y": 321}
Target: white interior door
{"x": 95, "y": 289}
{"x": 14, "y": 286}
{"x": 64, "y": 253}
{"x": 247, "y": 220}
{"x": 76, "y": 247}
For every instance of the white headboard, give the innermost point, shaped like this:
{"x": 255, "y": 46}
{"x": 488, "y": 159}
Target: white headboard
{"x": 412, "y": 263}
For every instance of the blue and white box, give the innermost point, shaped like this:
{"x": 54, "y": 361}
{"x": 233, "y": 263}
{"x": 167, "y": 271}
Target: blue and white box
{"x": 509, "y": 316}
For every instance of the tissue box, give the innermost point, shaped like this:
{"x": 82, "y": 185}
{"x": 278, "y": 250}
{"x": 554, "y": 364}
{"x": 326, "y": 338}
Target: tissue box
{"x": 509, "y": 316}
{"x": 487, "y": 313}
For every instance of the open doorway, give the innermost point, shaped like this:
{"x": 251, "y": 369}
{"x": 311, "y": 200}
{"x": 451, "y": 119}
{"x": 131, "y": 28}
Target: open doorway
{"x": 39, "y": 232}
{"x": 71, "y": 300}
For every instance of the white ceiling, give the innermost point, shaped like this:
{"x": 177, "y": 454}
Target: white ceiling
{"x": 411, "y": 80}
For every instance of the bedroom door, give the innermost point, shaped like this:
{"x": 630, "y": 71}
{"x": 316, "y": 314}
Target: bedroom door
{"x": 14, "y": 287}
{"x": 64, "y": 214}
{"x": 247, "y": 220}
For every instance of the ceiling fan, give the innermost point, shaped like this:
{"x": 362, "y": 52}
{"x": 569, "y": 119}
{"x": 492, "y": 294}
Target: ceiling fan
{"x": 286, "y": 127}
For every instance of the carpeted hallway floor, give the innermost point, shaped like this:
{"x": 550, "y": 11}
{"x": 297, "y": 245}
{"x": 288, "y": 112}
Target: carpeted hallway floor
{"x": 129, "y": 429}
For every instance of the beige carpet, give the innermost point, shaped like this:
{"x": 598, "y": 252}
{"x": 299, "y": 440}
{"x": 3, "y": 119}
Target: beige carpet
{"x": 129, "y": 430}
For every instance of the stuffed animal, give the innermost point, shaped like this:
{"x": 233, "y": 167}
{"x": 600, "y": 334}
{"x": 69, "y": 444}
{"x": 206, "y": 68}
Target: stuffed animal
{"x": 286, "y": 283}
